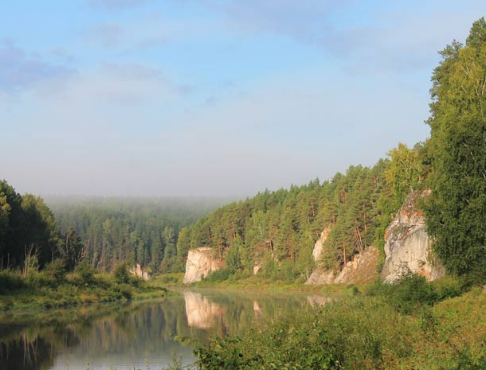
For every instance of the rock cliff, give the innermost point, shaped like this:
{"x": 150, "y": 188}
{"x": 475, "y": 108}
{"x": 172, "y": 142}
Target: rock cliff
{"x": 361, "y": 269}
{"x": 318, "y": 247}
{"x": 139, "y": 272}
{"x": 200, "y": 263}
{"x": 407, "y": 245}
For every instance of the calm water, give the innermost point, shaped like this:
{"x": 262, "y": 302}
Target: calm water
{"x": 143, "y": 335}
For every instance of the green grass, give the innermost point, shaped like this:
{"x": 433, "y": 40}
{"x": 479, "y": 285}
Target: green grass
{"x": 39, "y": 290}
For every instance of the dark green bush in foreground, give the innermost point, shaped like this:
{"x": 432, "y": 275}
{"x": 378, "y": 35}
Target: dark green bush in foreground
{"x": 412, "y": 291}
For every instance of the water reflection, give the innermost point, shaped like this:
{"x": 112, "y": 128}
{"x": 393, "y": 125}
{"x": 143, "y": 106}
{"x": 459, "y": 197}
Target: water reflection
{"x": 201, "y": 312}
{"x": 128, "y": 336}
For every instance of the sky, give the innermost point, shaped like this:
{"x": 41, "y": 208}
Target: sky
{"x": 212, "y": 97}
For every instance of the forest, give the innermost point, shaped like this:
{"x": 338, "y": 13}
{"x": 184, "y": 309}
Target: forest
{"x": 278, "y": 229}
{"x": 100, "y": 231}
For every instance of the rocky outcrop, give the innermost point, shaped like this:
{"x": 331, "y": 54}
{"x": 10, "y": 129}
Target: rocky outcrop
{"x": 362, "y": 269}
{"x": 321, "y": 277}
{"x": 138, "y": 272}
{"x": 407, "y": 245}
{"x": 200, "y": 263}
{"x": 319, "y": 246}
{"x": 257, "y": 267}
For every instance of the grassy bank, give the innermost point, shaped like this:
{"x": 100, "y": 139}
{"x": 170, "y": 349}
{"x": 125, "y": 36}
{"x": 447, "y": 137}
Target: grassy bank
{"x": 412, "y": 325}
{"x": 46, "y": 290}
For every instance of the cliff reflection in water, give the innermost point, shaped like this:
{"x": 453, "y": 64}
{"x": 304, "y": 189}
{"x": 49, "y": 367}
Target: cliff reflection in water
{"x": 201, "y": 312}
{"x": 125, "y": 337}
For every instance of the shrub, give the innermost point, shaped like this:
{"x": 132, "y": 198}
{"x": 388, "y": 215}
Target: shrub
{"x": 56, "y": 270}
{"x": 10, "y": 281}
{"x": 412, "y": 291}
{"x": 219, "y": 275}
{"x": 125, "y": 290}
{"x": 121, "y": 274}
{"x": 40, "y": 280}
{"x": 85, "y": 273}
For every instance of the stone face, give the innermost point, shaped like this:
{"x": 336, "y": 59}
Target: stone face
{"x": 362, "y": 269}
{"x": 200, "y": 263}
{"x": 257, "y": 267}
{"x": 321, "y": 277}
{"x": 407, "y": 245}
{"x": 318, "y": 247}
{"x": 138, "y": 272}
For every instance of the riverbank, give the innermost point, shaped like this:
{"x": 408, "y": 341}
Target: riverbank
{"x": 39, "y": 291}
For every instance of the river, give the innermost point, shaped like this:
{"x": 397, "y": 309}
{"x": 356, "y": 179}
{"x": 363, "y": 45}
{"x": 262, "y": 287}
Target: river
{"x": 137, "y": 335}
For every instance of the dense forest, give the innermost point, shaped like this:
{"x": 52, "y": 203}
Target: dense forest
{"x": 100, "y": 231}
{"x": 140, "y": 230}
{"x": 278, "y": 229}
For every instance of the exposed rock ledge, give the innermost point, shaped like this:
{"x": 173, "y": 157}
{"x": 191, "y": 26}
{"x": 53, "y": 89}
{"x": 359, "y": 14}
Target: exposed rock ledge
{"x": 319, "y": 246}
{"x": 200, "y": 263}
{"x": 361, "y": 269}
{"x": 139, "y": 272}
{"x": 407, "y": 245}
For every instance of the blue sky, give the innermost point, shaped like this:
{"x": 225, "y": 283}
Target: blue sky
{"x": 212, "y": 97}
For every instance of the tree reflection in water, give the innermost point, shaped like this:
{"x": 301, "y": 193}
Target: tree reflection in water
{"x": 127, "y": 336}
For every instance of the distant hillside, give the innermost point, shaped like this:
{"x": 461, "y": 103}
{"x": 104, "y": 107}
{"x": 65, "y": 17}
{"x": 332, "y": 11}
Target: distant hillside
{"x": 143, "y": 230}
{"x": 276, "y": 231}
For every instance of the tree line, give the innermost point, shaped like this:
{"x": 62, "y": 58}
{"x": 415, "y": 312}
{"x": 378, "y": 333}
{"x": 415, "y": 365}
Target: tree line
{"x": 278, "y": 230}
{"x": 100, "y": 231}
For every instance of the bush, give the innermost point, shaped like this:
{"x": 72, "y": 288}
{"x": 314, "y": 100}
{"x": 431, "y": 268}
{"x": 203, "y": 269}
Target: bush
{"x": 125, "y": 290}
{"x": 40, "y": 280}
{"x": 219, "y": 275}
{"x": 10, "y": 281}
{"x": 412, "y": 291}
{"x": 85, "y": 273}
{"x": 56, "y": 270}
{"x": 121, "y": 274}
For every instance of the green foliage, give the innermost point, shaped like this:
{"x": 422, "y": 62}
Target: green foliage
{"x": 219, "y": 275}
{"x": 10, "y": 281}
{"x": 279, "y": 229}
{"x": 121, "y": 274}
{"x": 85, "y": 273}
{"x": 105, "y": 231}
{"x": 456, "y": 212}
{"x": 233, "y": 256}
{"x": 26, "y": 225}
{"x": 343, "y": 335}
{"x": 56, "y": 270}
{"x": 403, "y": 172}
{"x": 412, "y": 292}
{"x": 364, "y": 332}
